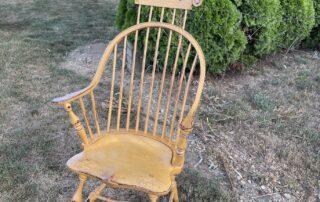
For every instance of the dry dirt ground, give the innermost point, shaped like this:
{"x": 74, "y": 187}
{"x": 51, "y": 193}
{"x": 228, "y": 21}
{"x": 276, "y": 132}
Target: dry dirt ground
{"x": 257, "y": 134}
{"x": 262, "y": 129}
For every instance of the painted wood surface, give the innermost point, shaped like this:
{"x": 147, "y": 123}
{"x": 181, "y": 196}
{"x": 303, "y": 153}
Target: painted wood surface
{"x": 179, "y": 4}
{"x": 136, "y": 156}
{"x": 127, "y": 159}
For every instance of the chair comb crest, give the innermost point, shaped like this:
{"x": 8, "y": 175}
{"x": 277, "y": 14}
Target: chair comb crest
{"x": 176, "y": 4}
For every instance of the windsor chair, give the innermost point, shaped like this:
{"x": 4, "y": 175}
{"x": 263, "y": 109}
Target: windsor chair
{"x": 147, "y": 115}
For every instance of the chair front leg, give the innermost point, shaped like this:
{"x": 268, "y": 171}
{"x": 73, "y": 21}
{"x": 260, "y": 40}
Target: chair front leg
{"x": 174, "y": 191}
{"x": 77, "y": 197}
{"x": 153, "y": 198}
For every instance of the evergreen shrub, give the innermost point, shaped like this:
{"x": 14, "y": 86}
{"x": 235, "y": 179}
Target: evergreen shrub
{"x": 261, "y": 23}
{"x": 298, "y": 21}
{"x": 313, "y": 41}
{"x": 215, "y": 24}
{"x": 233, "y": 31}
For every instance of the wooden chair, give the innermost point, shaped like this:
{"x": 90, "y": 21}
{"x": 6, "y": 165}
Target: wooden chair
{"x": 136, "y": 137}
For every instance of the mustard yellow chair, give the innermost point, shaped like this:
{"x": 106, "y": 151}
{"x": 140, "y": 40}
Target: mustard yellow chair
{"x": 136, "y": 137}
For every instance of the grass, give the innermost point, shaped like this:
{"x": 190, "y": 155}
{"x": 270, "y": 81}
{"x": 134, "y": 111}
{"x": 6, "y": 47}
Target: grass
{"x": 259, "y": 100}
{"x": 312, "y": 136}
{"x": 271, "y": 135}
{"x": 35, "y": 37}
{"x": 193, "y": 186}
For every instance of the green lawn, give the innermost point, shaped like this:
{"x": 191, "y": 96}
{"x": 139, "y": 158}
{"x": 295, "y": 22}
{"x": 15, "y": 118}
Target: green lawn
{"x": 35, "y": 35}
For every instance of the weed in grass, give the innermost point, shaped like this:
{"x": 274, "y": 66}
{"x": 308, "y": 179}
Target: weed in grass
{"x": 304, "y": 81}
{"x": 281, "y": 125}
{"x": 312, "y": 136}
{"x": 263, "y": 102}
{"x": 259, "y": 100}
{"x": 264, "y": 120}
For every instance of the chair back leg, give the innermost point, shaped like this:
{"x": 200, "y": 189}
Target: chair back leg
{"x": 96, "y": 193}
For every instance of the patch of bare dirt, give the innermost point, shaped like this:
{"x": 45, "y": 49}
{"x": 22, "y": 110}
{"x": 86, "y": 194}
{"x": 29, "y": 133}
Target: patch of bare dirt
{"x": 85, "y": 59}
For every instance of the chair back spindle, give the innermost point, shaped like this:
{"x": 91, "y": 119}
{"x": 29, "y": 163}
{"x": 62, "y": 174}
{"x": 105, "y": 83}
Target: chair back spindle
{"x": 155, "y": 95}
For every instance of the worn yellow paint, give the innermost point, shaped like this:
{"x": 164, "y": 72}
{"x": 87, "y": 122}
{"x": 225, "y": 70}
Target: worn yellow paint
{"x": 75, "y": 121}
{"x": 129, "y": 157}
{"x": 127, "y": 160}
{"x": 179, "y": 4}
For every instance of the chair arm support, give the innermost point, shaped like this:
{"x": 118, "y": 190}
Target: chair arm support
{"x": 72, "y": 96}
{"x": 75, "y": 121}
{"x": 186, "y": 127}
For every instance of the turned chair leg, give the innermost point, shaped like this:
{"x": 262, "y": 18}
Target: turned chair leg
{"x": 77, "y": 197}
{"x": 174, "y": 192}
{"x": 153, "y": 198}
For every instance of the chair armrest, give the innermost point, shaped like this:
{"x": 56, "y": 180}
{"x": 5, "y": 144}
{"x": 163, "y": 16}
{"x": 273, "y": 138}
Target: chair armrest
{"x": 187, "y": 124}
{"x": 72, "y": 96}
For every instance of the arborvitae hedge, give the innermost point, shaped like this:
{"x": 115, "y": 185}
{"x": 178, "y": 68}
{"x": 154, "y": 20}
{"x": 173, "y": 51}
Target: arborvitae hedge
{"x": 316, "y": 4}
{"x": 313, "y": 41}
{"x": 298, "y": 21}
{"x": 261, "y": 22}
{"x": 230, "y": 29}
{"x": 126, "y": 14}
{"x": 215, "y": 24}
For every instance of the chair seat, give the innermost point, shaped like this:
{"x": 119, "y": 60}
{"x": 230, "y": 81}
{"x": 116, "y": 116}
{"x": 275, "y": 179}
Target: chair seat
{"x": 127, "y": 160}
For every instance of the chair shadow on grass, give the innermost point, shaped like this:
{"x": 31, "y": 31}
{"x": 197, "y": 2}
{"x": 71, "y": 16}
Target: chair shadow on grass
{"x": 192, "y": 187}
